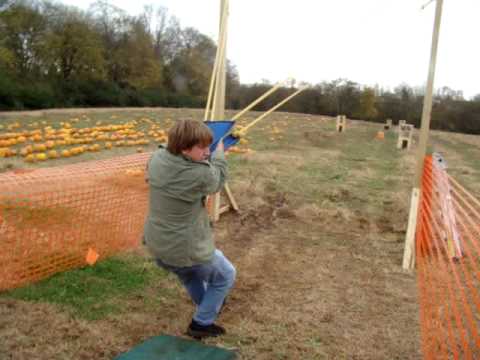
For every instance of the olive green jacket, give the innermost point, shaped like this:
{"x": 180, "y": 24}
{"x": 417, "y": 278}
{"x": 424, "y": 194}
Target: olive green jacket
{"x": 177, "y": 229}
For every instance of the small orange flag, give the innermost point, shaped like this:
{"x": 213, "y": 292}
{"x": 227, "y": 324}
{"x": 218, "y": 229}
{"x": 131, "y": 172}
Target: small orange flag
{"x": 92, "y": 257}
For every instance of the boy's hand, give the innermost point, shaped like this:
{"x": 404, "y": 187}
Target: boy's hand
{"x": 220, "y": 146}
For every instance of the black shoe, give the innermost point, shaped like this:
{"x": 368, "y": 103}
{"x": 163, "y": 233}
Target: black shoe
{"x": 198, "y": 331}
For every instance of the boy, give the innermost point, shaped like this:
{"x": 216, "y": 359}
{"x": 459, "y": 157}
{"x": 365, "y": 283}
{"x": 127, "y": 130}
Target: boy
{"x": 177, "y": 229}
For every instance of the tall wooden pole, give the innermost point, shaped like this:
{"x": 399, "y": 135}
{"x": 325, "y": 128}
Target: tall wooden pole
{"x": 218, "y": 112}
{"x": 409, "y": 253}
{"x": 218, "y": 107}
{"x": 223, "y": 68}
{"x": 427, "y": 103}
{"x": 220, "y": 50}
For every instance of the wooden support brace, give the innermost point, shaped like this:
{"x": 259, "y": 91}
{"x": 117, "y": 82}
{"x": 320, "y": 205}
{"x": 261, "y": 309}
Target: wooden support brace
{"x": 409, "y": 251}
{"x": 230, "y": 197}
{"x": 215, "y": 207}
{"x": 224, "y": 209}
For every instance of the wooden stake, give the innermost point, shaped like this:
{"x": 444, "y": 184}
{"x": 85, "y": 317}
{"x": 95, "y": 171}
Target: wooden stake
{"x": 233, "y": 203}
{"x": 409, "y": 250}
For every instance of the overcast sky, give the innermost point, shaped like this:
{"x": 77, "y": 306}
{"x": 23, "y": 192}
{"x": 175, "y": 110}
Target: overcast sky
{"x": 384, "y": 42}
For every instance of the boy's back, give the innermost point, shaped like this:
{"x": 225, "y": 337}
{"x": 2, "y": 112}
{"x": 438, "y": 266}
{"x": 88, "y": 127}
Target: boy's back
{"x": 177, "y": 230}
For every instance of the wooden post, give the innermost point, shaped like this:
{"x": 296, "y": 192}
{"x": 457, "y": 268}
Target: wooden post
{"x": 400, "y": 124}
{"x": 405, "y": 136}
{"x": 388, "y": 124}
{"x": 341, "y": 123}
{"x": 409, "y": 257}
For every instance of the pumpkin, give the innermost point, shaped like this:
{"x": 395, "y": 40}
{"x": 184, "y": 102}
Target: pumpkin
{"x": 41, "y": 156}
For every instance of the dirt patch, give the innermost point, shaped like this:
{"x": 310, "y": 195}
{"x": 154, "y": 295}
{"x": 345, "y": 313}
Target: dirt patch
{"x": 319, "y": 138}
{"x": 384, "y": 224}
{"x": 308, "y": 212}
{"x": 339, "y": 195}
{"x": 263, "y": 215}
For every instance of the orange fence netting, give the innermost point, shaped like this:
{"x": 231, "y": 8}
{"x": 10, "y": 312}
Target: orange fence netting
{"x": 54, "y": 219}
{"x": 448, "y": 262}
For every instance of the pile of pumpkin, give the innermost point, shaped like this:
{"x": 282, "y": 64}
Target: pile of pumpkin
{"x": 43, "y": 142}
{"x": 40, "y": 144}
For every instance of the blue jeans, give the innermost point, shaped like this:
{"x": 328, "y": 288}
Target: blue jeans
{"x": 208, "y": 285}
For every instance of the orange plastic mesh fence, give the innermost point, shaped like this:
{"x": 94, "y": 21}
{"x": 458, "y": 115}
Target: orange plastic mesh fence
{"x": 51, "y": 217}
{"x": 448, "y": 262}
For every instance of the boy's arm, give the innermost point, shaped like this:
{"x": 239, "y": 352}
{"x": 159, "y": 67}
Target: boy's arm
{"x": 148, "y": 163}
{"x": 146, "y": 169}
{"x": 217, "y": 172}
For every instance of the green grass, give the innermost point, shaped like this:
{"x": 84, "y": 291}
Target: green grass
{"x": 92, "y": 292}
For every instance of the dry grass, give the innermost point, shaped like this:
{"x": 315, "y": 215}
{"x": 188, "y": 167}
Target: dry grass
{"x": 317, "y": 244}
{"x": 462, "y": 155}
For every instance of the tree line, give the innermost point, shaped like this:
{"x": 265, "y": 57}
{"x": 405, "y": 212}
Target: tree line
{"x": 53, "y": 55}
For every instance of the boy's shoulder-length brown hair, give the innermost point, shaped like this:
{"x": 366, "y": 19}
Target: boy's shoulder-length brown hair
{"x": 185, "y": 134}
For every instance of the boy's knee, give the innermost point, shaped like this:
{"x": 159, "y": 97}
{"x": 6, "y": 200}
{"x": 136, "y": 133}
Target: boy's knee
{"x": 232, "y": 274}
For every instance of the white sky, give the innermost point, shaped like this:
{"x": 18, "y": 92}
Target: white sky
{"x": 385, "y": 42}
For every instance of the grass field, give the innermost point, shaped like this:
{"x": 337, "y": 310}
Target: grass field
{"x": 318, "y": 245}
